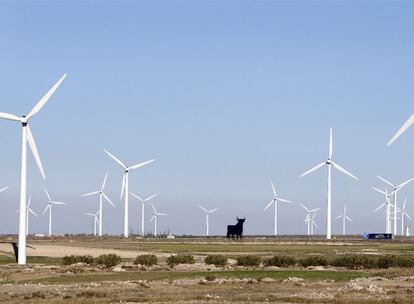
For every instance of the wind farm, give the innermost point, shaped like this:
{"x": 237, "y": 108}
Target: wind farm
{"x": 206, "y": 152}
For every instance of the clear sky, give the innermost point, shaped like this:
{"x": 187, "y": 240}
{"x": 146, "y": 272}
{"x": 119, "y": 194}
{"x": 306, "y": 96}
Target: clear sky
{"x": 227, "y": 96}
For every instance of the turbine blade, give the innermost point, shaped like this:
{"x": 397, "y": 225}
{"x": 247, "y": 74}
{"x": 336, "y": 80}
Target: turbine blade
{"x": 284, "y": 200}
{"x": 33, "y": 147}
{"x": 273, "y": 189}
{"x": 58, "y": 203}
{"x": 202, "y": 208}
{"x": 402, "y": 185}
{"x": 338, "y": 167}
{"x": 47, "y": 207}
{"x": 348, "y": 218}
{"x": 408, "y": 216}
{"x": 211, "y": 211}
{"x": 404, "y": 128}
{"x": 47, "y": 194}
{"x": 45, "y": 98}
{"x": 268, "y": 205}
{"x": 123, "y": 185}
{"x": 10, "y": 117}
{"x": 313, "y": 169}
{"x": 385, "y": 181}
{"x": 380, "y": 191}
{"x": 405, "y": 202}
{"x": 115, "y": 159}
{"x": 90, "y": 193}
{"x": 314, "y": 210}
{"x": 32, "y": 212}
{"x": 4, "y": 189}
{"x": 30, "y": 200}
{"x": 153, "y": 208}
{"x": 137, "y": 197}
{"x": 304, "y": 207}
{"x": 162, "y": 214}
{"x": 104, "y": 181}
{"x": 107, "y": 199}
{"x": 141, "y": 164}
{"x": 330, "y": 143}
{"x": 382, "y": 205}
{"x": 339, "y": 216}
{"x": 153, "y": 217}
{"x": 150, "y": 198}
{"x": 91, "y": 214}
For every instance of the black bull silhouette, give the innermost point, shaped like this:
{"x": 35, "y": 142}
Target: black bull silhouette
{"x": 236, "y": 230}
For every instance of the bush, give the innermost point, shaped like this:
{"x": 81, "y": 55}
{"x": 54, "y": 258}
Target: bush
{"x": 216, "y": 260}
{"x": 210, "y": 277}
{"x": 355, "y": 262}
{"x": 108, "y": 260}
{"x": 404, "y": 262}
{"x": 280, "y": 261}
{"x": 72, "y": 259}
{"x": 313, "y": 261}
{"x": 180, "y": 259}
{"x": 249, "y": 260}
{"x": 384, "y": 262}
{"x": 146, "y": 259}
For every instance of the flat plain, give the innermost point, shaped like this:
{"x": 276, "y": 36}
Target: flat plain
{"x": 47, "y": 280}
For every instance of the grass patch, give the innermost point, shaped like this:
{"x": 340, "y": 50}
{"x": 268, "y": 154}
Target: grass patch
{"x": 32, "y": 260}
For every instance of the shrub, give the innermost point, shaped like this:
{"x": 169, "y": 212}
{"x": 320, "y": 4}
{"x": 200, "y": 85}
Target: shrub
{"x": 210, "y": 277}
{"x": 354, "y": 262}
{"x": 72, "y": 259}
{"x": 249, "y": 260}
{"x": 180, "y": 259}
{"x": 404, "y": 262}
{"x": 146, "y": 259}
{"x": 280, "y": 261}
{"x": 216, "y": 260}
{"x": 108, "y": 260}
{"x": 313, "y": 261}
{"x": 384, "y": 262}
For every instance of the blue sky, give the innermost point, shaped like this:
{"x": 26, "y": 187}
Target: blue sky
{"x": 226, "y": 95}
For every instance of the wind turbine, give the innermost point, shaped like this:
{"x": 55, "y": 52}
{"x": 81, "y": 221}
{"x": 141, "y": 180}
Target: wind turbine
{"x": 28, "y": 137}
{"x": 404, "y": 128}
{"x": 310, "y": 221}
{"x": 4, "y": 189}
{"x": 308, "y": 218}
{"x": 125, "y": 185}
{"x": 143, "y": 201}
{"x": 208, "y": 212}
{"x": 49, "y": 206}
{"x": 155, "y": 218}
{"x": 28, "y": 210}
{"x": 102, "y": 196}
{"x": 344, "y": 217}
{"x": 329, "y": 163}
{"x": 404, "y": 214}
{"x": 95, "y": 220}
{"x": 275, "y": 200}
{"x": 388, "y": 206}
{"x": 396, "y": 188}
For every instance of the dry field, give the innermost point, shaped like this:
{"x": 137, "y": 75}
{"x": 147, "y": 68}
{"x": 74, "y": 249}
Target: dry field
{"x": 46, "y": 280}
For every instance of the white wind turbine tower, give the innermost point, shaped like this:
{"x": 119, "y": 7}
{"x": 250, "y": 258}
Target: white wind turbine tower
{"x": 125, "y": 185}
{"x": 329, "y": 163}
{"x": 396, "y": 188}
{"x": 208, "y": 212}
{"x": 403, "y": 215}
{"x": 102, "y": 196}
{"x": 308, "y": 218}
{"x": 95, "y": 220}
{"x": 28, "y": 210}
{"x": 49, "y": 206}
{"x": 28, "y": 137}
{"x": 143, "y": 201}
{"x": 387, "y": 206}
{"x": 155, "y": 218}
{"x": 275, "y": 200}
{"x": 344, "y": 217}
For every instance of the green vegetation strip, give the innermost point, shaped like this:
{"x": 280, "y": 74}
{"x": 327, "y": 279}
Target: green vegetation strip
{"x": 172, "y": 275}
{"x": 32, "y": 260}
